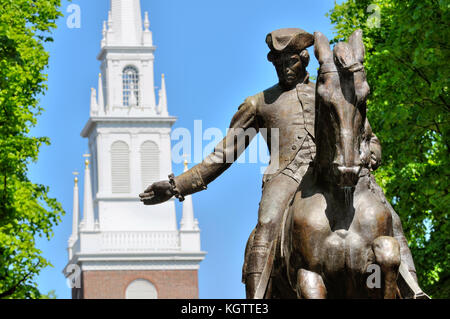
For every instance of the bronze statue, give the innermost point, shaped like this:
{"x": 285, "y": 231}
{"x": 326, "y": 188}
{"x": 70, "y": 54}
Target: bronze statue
{"x": 337, "y": 225}
{"x": 290, "y": 107}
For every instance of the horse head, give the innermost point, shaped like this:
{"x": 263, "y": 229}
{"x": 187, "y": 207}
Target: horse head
{"x": 341, "y": 95}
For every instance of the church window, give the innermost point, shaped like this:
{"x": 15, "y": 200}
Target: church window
{"x": 120, "y": 167}
{"x": 141, "y": 289}
{"x": 130, "y": 81}
{"x": 149, "y": 163}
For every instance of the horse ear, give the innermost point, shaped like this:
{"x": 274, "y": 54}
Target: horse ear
{"x": 357, "y": 44}
{"x": 322, "y": 49}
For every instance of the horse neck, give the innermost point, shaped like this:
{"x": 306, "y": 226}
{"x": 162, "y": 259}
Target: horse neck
{"x": 325, "y": 144}
{"x": 331, "y": 147}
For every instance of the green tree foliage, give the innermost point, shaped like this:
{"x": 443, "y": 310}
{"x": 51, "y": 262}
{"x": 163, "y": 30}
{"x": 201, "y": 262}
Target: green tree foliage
{"x": 50, "y": 295}
{"x": 407, "y": 56}
{"x": 26, "y": 211}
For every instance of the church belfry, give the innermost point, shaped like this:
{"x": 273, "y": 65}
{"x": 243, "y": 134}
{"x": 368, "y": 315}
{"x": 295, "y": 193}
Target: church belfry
{"x": 123, "y": 248}
{"x": 127, "y": 57}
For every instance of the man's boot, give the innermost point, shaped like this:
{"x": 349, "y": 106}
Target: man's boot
{"x": 257, "y": 260}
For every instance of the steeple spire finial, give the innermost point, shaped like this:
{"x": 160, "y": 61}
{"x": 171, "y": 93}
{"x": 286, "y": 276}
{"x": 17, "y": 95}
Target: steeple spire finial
{"x": 88, "y": 203}
{"x": 76, "y": 209}
{"x": 147, "y": 38}
{"x": 162, "y": 103}
{"x": 146, "y": 22}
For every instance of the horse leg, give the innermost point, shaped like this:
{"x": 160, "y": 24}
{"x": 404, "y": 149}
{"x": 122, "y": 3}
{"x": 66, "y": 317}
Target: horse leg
{"x": 310, "y": 285}
{"x": 387, "y": 256}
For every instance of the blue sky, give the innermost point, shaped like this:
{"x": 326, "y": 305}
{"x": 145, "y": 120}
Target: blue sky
{"x": 213, "y": 54}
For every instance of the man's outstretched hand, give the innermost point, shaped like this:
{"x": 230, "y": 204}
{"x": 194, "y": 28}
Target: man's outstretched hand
{"x": 156, "y": 193}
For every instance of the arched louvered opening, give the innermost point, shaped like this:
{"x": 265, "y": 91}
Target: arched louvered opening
{"x": 149, "y": 163}
{"x": 130, "y": 82}
{"x": 141, "y": 289}
{"x": 120, "y": 167}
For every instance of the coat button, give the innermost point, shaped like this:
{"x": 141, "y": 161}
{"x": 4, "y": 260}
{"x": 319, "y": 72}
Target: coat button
{"x": 294, "y": 147}
{"x": 299, "y": 137}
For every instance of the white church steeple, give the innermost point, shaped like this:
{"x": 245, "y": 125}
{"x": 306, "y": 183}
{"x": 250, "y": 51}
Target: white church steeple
{"x": 129, "y": 142}
{"x": 127, "y": 52}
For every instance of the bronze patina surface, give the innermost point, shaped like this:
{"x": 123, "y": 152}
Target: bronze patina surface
{"x": 322, "y": 220}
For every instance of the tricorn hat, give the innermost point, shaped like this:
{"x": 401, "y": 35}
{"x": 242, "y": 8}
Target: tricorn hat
{"x": 289, "y": 40}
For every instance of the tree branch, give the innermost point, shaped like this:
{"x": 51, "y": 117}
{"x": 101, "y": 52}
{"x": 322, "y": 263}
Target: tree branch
{"x": 11, "y": 290}
{"x": 423, "y": 77}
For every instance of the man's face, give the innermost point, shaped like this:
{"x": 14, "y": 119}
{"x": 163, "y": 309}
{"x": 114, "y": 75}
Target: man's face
{"x": 290, "y": 69}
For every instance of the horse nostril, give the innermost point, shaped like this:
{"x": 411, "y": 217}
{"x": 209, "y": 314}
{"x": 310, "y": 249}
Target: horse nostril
{"x": 352, "y": 170}
{"x": 348, "y": 176}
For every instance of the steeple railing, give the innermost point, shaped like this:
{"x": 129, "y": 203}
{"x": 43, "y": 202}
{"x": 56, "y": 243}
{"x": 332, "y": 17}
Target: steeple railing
{"x": 139, "y": 241}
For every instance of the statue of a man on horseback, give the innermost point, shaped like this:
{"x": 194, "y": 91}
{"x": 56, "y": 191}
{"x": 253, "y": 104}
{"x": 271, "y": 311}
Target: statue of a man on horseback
{"x": 291, "y": 107}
